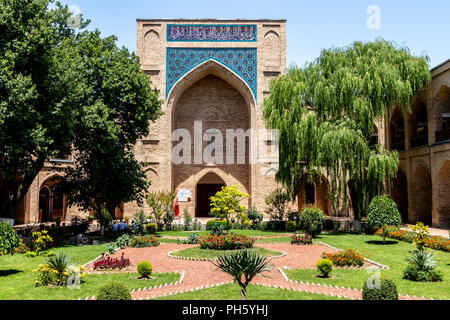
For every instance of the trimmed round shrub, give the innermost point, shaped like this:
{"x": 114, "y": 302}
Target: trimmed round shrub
{"x": 114, "y": 291}
{"x": 145, "y": 269}
{"x": 324, "y": 266}
{"x": 152, "y": 228}
{"x": 311, "y": 220}
{"x": 291, "y": 226}
{"x": 380, "y": 289}
{"x": 382, "y": 212}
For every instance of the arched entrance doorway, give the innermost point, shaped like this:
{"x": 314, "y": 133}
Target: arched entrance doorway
{"x": 443, "y": 218}
{"x": 44, "y": 204}
{"x": 51, "y": 201}
{"x": 397, "y": 131}
{"x": 422, "y": 200}
{"x": 207, "y": 187}
{"x": 315, "y": 193}
{"x": 211, "y": 117}
{"x": 419, "y": 124}
{"x": 400, "y": 194}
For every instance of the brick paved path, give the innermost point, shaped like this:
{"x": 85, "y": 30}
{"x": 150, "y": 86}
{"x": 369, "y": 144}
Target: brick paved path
{"x": 201, "y": 274}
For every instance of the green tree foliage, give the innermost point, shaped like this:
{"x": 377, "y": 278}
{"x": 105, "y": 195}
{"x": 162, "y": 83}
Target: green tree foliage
{"x": 117, "y": 105}
{"x": 227, "y": 203}
{"x": 326, "y": 112}
{"x": 383, "y": 212}
{"x": 63, "y": 91}
{"x": 38, "y": 91}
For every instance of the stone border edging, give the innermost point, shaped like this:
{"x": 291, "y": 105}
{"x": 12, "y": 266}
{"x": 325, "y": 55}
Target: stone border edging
{"x": 335, "y": 287}
{"x": 186, "y": 291}
{"x": 382, "y": 266}
{"x": 173, "y": 284}
{"x": 170, "y": 254}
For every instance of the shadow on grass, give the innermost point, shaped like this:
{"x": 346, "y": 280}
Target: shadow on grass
{"x": 380, "y": 242}
{"x": 9, "y": 272}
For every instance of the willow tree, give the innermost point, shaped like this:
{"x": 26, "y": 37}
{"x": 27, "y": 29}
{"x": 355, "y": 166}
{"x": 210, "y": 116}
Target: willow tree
{"x": 326, "y": 112}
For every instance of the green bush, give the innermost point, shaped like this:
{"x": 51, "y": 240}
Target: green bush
{"x": 255, "y": 217}
{"x": 291, "y": 226}
{"x": 311, "y": 220}
{"x": 145, "y": 269}
{"x": 413, "y": 273}
{"x": 114, "y": 291}
{"x": 380, "y": 289}
{"x": 152, "y": 228}
{"x": 324, "y": 266}
{"x": 382, "y": 212}
{"x": 211, "y": 223}
{"x": 9, "y": 239}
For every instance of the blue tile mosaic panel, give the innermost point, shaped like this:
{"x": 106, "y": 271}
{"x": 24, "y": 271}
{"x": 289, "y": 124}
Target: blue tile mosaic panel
{"x": 240, "y": 60}
{"x": 211, "y": 32}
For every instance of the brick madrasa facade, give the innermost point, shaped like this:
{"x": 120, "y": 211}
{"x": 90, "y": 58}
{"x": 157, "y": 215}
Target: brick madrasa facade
{"x": 213, "y": 76}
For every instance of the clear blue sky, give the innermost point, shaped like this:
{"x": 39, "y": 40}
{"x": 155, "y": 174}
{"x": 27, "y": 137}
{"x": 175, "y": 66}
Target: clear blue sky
{"x": 423, "y": 26}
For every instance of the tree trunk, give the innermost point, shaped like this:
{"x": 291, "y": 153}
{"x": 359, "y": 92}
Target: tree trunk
{"x": 244, "y": 292}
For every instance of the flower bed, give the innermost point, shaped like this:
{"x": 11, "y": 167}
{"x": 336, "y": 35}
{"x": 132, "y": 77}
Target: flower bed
{"x": 108, "y": 263}
{"x": 230, "y": 241}
{"x": 345, "y": 258}
{"x": 144, "y": 241}
{"x": 301, "y": 239}
{"x": 433, "y": 242}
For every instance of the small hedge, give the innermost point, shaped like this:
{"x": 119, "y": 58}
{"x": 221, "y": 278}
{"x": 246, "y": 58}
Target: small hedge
{"x": 152, "y": 228}
{"x": 433, "y": 242}
{"x": 230, "y": 241}
{"x": 324, "y": 266}
{"x": 144, "y": 241}
{"x": 381, "y": 289}
{"x": 145, "y": 269}
{"x": 114, "y": 291}
{"x": 211, "y": 223}
{"x": 412, "y": 273}
{"x": 311, "y": 220}
{"x": 291, "y": 226}
{"x": 346, "y": 258}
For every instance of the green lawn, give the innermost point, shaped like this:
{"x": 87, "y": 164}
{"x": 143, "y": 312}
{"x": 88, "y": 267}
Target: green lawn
{"x": 392, "y": 254}
{"x": 198, "y": 253}
{"x": 233, "y": 292}
{"x": 17, "y": 278}
{"x": 249, "y": 233}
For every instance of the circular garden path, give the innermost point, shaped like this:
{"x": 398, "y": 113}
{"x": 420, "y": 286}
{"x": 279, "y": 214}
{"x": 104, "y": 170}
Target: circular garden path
{"x": 203, "y": 274}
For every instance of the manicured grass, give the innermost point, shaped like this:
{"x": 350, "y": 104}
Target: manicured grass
{"x": 233, "y": 292}
{"x": 392, "y": 254}
{"x": 198, "y": 253}
{"x": 249, "y": 233}
{"x": 17, "y": 278}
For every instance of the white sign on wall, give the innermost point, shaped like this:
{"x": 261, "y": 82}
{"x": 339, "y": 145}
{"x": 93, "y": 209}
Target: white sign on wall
{"x": 184, "y": 195}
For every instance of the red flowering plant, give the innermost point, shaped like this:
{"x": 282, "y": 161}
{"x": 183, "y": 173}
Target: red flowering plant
{"x": 344, "y": 258}
{"x": 230, "y": 241}
{"x": 108, "y": 263}
{"x": 301, "y": 239}
{"x": 144, "y": 241}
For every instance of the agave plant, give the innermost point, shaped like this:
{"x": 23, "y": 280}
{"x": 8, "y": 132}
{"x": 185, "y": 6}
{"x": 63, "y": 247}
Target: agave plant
{"x": 422, "y": 260}
{"x": 59, "y": 263}
{"x": 243, "y": 266}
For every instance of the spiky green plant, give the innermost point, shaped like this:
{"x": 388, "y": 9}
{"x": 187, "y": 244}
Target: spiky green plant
{"x": 422, "y": 260}
{"x": 243, "y": 266}
{"x": 60, "y": 263}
